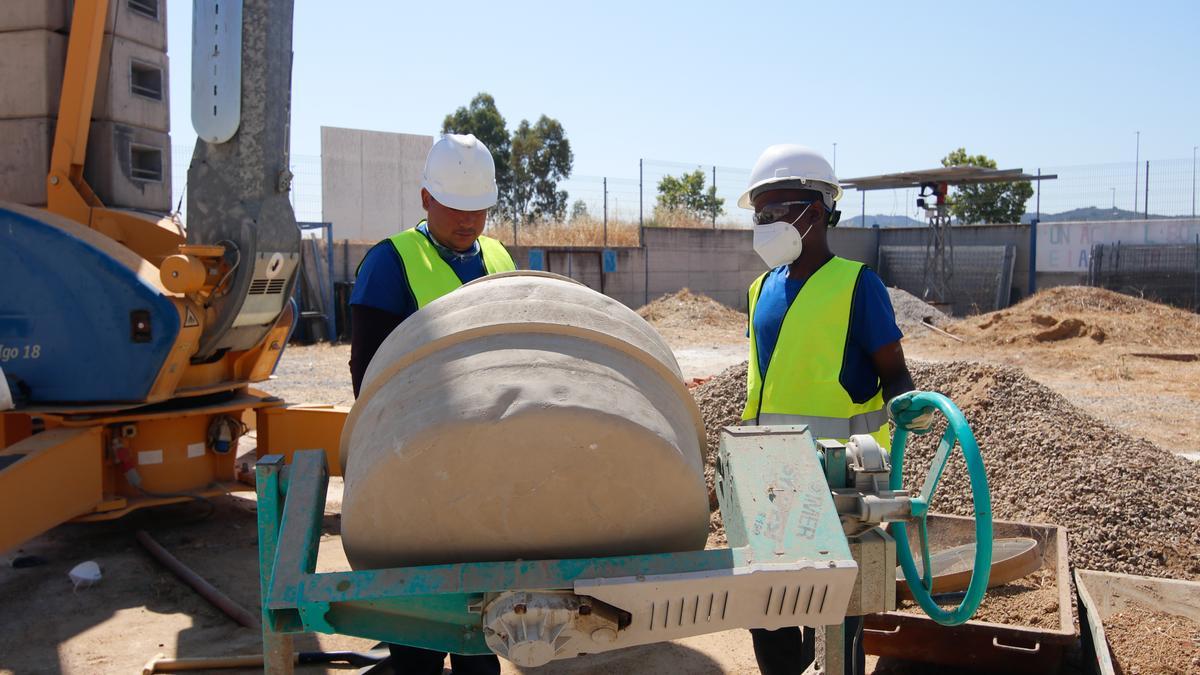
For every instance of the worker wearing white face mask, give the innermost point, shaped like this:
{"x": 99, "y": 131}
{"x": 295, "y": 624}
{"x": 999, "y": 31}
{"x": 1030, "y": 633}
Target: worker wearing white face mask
{"x": 824, "y": 345}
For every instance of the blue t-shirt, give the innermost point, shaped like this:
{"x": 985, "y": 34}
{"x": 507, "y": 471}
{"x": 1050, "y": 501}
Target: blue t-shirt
{"x": 872, "y": 325}
{"x": 383, "y": 284}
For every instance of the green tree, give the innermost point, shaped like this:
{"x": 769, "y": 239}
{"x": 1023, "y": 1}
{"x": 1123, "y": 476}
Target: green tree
{"x": 986, "y": 202}
{"x": 687, "y": 194}
{"x": 541, "y": 157}
{"x": 578, "y": 210}
{"x": 529, "y": 163}
{"x": 483, "y": 119}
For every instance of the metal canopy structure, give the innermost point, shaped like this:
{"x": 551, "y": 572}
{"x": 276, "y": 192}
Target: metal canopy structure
{"x": 948, "y": 175}
{"x": 939, "y": 248}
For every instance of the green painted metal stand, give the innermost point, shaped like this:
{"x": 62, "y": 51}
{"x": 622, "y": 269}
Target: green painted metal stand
{"x": 778, "y": 511}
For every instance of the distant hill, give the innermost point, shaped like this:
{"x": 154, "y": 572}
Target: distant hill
{"x": 1086, "y": 213}
{"x": 882, "y": 221}
{"x": 1093, "y": 213}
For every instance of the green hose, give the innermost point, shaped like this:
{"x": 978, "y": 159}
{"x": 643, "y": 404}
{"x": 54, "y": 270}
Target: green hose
{"x": 957, "y": 431}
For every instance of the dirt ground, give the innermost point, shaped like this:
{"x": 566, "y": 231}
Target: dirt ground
{"x": 140, "y": 609}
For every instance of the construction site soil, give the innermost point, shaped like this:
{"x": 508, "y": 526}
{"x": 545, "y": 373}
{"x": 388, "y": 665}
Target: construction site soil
{"x": 1145, "y": 642}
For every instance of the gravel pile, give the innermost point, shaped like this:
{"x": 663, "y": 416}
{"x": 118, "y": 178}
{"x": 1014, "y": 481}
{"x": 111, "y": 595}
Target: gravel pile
{"x": 911, "y": 311}
{"x": 1129, "y": 505}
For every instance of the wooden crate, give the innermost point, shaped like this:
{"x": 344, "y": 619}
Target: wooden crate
{"x": 1102, "y": 594}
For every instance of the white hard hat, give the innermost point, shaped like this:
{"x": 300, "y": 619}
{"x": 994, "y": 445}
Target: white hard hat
{"x": 789, "y": 165}
{"x": 460, "y": 173}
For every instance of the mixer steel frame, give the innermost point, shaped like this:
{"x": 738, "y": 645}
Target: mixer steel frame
{"x": 788, "y": 564}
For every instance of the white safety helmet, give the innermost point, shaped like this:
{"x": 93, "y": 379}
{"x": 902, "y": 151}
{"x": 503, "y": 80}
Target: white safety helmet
{"x": 460, "y": 173}
{"x": 792, "y": 166}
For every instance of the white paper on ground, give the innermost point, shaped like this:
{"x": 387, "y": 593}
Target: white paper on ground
{"x": 85, "y": 574}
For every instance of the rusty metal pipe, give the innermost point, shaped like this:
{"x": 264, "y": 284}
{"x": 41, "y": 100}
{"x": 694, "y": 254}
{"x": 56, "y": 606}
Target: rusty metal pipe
{"x": 163, "y": 664}
{"x": 205, "y": 589}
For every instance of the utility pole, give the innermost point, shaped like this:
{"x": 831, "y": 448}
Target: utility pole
{"x": 714, "y": 185}
{"x": 1114, "y": 196}
{"x": 1137, "y": 159}
{"x": 1194, "y": 179}
{"x": 835, "y": 158}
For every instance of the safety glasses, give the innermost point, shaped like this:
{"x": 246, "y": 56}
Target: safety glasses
{"x": 789, "y": 211}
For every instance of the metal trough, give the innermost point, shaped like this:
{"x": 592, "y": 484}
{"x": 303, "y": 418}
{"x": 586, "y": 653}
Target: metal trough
{"x": 980, "y": 645}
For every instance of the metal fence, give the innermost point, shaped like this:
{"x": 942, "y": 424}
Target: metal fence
{"x": 1164, "y": 273}
{"x": 1128, "y": 190}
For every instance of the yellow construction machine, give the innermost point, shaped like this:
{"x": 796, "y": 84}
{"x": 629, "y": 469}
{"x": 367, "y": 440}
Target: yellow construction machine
{"x": 127, "y": 343}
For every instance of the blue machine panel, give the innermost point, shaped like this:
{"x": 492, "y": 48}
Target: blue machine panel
{"x": 67, "y": 315}
{"x": 537, "y": 259}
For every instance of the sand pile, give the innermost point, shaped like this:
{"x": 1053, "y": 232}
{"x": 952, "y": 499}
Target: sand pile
{"x": 685, "y": 309}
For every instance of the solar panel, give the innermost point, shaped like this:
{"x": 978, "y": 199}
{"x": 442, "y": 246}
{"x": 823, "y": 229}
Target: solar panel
{"x": 950, "y": 175}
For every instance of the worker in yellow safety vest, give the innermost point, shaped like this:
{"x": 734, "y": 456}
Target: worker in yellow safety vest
{"x": 409, "y": 270}
{"x": 824, "y": 344}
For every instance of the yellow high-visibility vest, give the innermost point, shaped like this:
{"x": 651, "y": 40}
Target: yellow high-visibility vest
{"x": 802, "y": 384}
{"x": 429, "y": 276}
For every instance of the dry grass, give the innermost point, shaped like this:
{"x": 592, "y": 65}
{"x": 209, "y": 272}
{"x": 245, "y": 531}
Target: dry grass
{"x": 584, "y": 231}
{"x": 590, "y": 231}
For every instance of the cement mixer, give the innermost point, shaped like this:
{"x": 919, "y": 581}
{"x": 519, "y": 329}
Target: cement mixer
{"x": 524, "y": 476}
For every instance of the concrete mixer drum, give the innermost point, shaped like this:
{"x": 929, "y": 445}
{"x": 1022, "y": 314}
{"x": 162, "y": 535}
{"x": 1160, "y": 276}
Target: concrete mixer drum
{"x": 522, "y": 416}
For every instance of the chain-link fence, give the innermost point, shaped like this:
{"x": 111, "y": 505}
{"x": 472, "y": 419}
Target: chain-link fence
{"x": 306, "y": 183}
{"x": 1164, "y": 273}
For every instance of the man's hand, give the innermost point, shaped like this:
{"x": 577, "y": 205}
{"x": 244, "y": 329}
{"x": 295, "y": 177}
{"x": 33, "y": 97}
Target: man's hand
{"x": 909, "y": 415}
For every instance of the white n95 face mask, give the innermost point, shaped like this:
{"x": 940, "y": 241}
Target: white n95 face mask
{"x": 779, "y": 243}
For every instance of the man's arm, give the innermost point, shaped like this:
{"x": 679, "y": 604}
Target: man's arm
{"x": 380, "y": 301}
{"x": 894, "y": 377}
{"x": 370, "y": 326}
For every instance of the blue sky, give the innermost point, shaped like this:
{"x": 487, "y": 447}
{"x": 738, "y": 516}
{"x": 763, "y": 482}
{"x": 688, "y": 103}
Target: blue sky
{"x": 895, "y": 85}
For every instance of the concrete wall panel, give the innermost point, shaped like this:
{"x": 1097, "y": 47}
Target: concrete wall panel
{"x": 371, "y": 182}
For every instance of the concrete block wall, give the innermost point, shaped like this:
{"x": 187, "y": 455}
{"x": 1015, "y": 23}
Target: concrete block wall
{"x": 132, "y": 102}
{"x": 857, "y": 243}
{"x": 129, "y": 166}
{"x": 34, "y": 14}
{"x": 718, "y": 263}
{"x": 133, "y": 88}
{"x": 31, "y": 72}
{"x": 722, "y": 263}
{"x": 137, "y": 20}
{"x": 863, "y": 243}
{"x": 25, "y": 159}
